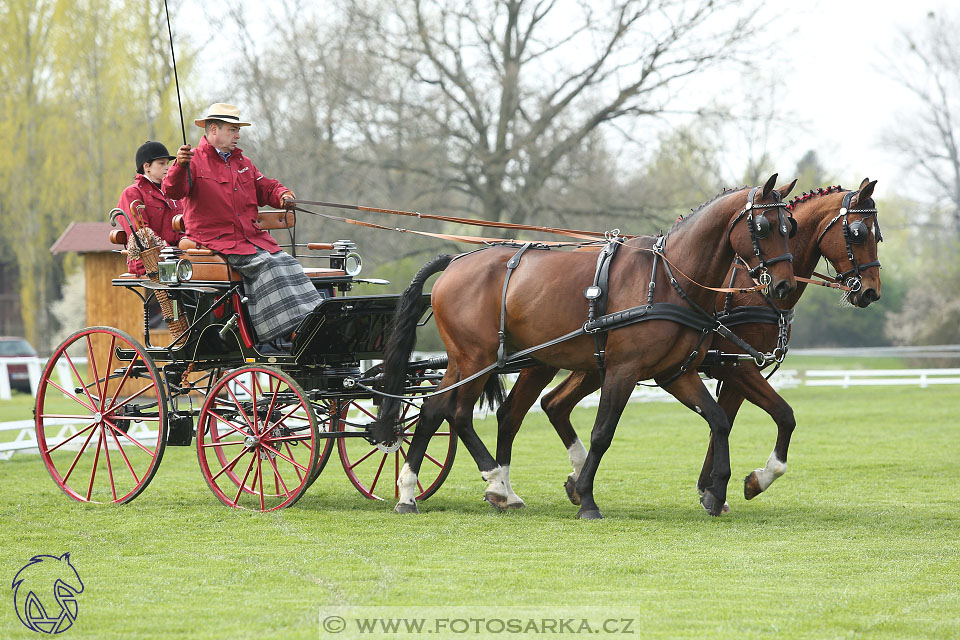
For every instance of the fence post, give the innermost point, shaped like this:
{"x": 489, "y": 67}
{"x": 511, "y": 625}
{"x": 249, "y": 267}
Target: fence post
{"x": 33, "y": 373}
{"x": 4, "y": 381}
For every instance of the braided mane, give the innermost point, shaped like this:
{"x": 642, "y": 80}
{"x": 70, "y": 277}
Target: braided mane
{"x": 813, "y": 193}
{"x": 693, "y": 212}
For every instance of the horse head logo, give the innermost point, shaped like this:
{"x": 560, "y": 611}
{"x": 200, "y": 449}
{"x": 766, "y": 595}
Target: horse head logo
{"x": 45, "y": 593}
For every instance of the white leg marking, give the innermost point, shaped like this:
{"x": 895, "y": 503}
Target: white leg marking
{"x": 773, "y": 470}
{"x": 578, "y": 455}
{"x": 498, "y": 480}
{"x": 513, "y": 500}
{"x": 407, "y": 483}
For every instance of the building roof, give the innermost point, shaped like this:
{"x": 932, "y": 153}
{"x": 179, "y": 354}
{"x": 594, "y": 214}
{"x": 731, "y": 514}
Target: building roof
{"x": 84, "y": 237}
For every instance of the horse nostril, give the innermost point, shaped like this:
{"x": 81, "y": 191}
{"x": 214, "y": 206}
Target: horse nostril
{"x": 869, "y": 295}
{"x": 781, "y": 290}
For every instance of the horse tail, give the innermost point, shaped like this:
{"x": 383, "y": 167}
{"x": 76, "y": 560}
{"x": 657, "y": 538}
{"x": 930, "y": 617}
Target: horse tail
{"x": 402, "y": 338}
{"x": 493, "y": 392}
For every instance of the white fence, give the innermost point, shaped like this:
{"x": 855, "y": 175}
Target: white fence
{"x": 25, "y": 439}
{"x": 34, "y": 366}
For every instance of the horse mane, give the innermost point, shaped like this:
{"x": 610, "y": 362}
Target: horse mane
{"x": 814, "y": 193}
{"x": 693, "y": 212}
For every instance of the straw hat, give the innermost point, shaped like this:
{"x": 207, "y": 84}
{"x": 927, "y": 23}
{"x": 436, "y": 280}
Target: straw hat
{"x": 223, "y": 112}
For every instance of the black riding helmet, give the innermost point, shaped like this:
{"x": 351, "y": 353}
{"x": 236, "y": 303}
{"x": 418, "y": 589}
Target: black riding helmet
{"x": 150, "y": 151}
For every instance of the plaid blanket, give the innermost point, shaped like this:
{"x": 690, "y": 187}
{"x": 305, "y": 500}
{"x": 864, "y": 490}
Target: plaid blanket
{"x": 279, "y": 293}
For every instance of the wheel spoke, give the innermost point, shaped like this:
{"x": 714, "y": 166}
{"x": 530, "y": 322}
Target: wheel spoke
{"x": 260, "y": 474}
{"x": 55, "y": 447}
{"x": 289, "y": 451}
{"x": 206, "y": 445}
{"x": 254, "y": 383}
{"x": 239, "y": 406}
{"x": 356, "y": 405}
{"x": 290, "y": 460}
{"x": 376, "y": 478}
{"x": 432, "y": 459}
{"x": 79, "y": 453}
{"x": 96, "y": 374}
{"x": 132, "y": 439}
{"x": 369, "y": 453}
{"x": 282, "y": 418}
{"x": 106, "y": 453}
{"x": 230, "y": 465}
{"x": 96, "y": 461}
{"x": 123, "y": 381}
{"x": 113, "y": 409}
{"x": 243, "y": 482}
{"x": 228, "y": 423}
{"x": 129, "y": 466}
{"x": 70, "y": 394}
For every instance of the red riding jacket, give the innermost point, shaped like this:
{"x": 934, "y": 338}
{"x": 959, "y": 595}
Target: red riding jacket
{"x": 220, "y": 208}
{"x": 158, "y": 213}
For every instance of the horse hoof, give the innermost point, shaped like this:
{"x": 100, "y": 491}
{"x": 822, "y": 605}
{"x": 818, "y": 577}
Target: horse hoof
{"x": 751, "y": 487}
{"x": 496, "y": 501}
{"x": 590, "y": 514}
{"x": 713, "y": 506}
{"x": 571, "y": 488}
{"x": 406, "y": 507}
{"x": 517, "y": 505}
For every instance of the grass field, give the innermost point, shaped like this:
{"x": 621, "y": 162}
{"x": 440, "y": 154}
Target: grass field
{"x": 861, "y": 538}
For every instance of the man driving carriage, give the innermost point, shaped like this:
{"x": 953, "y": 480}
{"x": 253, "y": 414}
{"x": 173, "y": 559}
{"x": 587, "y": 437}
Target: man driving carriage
{"x": 220, "y": 190}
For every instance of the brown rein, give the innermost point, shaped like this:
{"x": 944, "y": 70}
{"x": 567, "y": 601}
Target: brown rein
{"x": 592, "y": 236}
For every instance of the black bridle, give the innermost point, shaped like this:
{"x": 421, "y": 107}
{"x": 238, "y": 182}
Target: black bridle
{"x": 855, "y": 232}
{"x": 759, "y": 227}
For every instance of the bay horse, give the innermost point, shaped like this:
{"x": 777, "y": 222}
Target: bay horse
{"x": 479, "y": 317}
{"x": 832, "y": 223}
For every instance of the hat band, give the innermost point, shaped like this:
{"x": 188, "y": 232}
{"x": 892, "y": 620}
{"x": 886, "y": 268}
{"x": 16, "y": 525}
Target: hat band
{"x": 222, "y": 117}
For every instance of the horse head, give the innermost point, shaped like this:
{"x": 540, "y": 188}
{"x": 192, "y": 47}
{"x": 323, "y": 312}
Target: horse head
{"x": 760, "y": 235}
{"x": 849, "y": 241}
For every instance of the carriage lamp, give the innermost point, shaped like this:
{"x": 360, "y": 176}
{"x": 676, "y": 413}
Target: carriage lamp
{"x": 167, "y": 272}
{"x": 345, "y": 257}
{"x": 184, "y": 270}
{"x": 352, "y": 264}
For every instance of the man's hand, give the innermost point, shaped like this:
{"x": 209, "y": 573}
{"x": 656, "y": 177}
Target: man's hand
{"x": 184, "y": 155}
{"x": 286, "y": 200}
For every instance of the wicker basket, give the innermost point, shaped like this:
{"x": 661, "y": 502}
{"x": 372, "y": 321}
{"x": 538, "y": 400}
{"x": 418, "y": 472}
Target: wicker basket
{"x": 177, "y": 324}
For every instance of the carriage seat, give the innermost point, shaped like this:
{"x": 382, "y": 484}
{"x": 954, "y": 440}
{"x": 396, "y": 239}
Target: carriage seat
{"x": 267, "y": 220}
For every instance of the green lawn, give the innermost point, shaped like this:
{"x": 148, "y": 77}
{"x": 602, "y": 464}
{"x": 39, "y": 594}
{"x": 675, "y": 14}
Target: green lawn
{"x": 861, "y": 538}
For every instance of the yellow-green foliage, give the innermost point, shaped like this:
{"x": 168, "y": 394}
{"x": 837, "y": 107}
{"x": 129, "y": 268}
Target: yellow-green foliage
{"x": 86, "y": 82}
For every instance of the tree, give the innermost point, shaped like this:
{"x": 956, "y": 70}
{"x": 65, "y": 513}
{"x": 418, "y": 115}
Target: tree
{"x": 928, "y": 140}
{"x": 74, "y": 114}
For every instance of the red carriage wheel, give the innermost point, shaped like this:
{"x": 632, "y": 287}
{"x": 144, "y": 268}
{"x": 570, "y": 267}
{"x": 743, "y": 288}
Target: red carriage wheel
{"x": 257, "y": 439}
{"x": 374, "y": 469}
{"x": 325, "y": 410}
{"x": 101, "y": 416}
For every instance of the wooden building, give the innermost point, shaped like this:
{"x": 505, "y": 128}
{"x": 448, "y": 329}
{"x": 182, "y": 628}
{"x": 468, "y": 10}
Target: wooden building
{"x": 106, "y": 305}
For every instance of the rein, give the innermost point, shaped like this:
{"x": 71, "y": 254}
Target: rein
{"x": 573, "y": 233}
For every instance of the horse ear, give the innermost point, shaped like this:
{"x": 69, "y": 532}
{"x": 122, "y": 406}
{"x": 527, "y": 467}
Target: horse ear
{"x": 863, "y": 184}
{"x": 867, "y": 191}
{"x": 768, "y": 187}
{"x": 785, "y": 190}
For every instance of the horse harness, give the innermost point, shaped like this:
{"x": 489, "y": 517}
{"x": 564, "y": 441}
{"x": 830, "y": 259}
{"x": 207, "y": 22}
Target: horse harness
{"x": 855, "y": 232}
{"x": 599, "y": 323}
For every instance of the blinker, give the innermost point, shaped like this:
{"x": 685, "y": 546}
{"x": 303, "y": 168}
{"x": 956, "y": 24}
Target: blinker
{"x": 761, "y": 227}
{"x": 858, "y": 232}
{"x": 793, "y": 227}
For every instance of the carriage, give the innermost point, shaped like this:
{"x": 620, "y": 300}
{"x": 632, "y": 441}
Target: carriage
{"x": 265, "y": 424}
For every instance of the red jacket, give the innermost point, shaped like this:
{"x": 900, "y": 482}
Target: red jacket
{"x": 157, "y": 214}
{"x": 220, "y": 208}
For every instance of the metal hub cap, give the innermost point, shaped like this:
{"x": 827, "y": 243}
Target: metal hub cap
{"x": 251, "y": 441}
